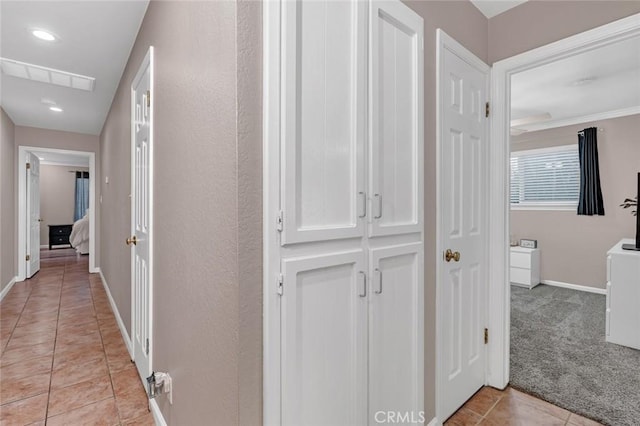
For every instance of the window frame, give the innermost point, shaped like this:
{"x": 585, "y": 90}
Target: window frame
{"x": 543, "y": 205}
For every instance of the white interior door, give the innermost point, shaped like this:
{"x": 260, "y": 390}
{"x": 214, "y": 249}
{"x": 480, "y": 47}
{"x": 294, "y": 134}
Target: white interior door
{"x": 324, "y": 75}
{"x": 396, "y": 379}
{"x": 396, "y": 116}
{"x": 33, "y": 215}
{"x": 141, "y": 215}
{"x": 462, "y": 180}
{"x": 324, "y": 314}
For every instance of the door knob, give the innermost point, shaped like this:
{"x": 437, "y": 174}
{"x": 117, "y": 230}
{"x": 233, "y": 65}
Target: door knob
{"x": 449, "y": 255}
{"x": 132, "y": 240}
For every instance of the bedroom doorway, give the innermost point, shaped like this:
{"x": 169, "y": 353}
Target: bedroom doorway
{"x": 48, "y": 182}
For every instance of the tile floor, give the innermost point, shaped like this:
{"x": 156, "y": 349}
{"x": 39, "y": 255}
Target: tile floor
{"x": 492, "y": 407}
{"x": 63, "y": 359}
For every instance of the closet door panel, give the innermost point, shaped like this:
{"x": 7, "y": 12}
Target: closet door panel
{"x": 323, "y": 141}
{"x": 395, "y": 330}
{"x": 324, "y": 309}
{"x": 396, "y": 117}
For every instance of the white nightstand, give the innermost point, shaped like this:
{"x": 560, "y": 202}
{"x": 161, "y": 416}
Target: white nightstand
{"x": 525, "y": 267}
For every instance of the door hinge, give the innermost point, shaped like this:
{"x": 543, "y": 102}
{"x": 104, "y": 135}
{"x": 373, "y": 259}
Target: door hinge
{"x": 486, "y": 336}
{"x": 148, "y": 98}
{"x": 28, "y": 257}
{"x": 147, "y": 347}
{"x": 486, "y": 109}
{"x": 280, "y": 221}
{"x": 280, "y": 284}
{"x": 28, "y": 166}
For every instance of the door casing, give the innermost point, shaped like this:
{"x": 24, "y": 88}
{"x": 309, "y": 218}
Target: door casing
{"x": 22, "y": 204}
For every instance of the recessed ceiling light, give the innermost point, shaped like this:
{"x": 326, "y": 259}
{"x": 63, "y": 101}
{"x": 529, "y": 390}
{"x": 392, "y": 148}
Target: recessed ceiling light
{"x": 55, "y": 109}
{"x": 43, "y": 35}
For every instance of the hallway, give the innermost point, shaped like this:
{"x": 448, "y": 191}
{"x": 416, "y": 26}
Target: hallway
{"x": 63, "y": 358}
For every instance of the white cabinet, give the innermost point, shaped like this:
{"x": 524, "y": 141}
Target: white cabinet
{"x": 525, "y": 267}
{"x": 623, "y": 296}
{"x": 345, "y": 320}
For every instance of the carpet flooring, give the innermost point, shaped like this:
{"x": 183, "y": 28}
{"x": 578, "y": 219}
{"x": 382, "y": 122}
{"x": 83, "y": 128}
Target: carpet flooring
{"x": 559, "y": 354}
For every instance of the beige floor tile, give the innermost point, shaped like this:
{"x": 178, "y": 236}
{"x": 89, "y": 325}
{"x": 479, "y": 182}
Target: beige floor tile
{"x": 24, "y": 412}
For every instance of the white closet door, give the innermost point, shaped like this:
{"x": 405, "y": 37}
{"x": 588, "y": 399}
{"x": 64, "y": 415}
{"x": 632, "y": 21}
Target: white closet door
{"x": 324, "y": 308}
{"x": 396, "y": 118}
{"x": 396, "y": 334}
{"x": 324, "y": 84}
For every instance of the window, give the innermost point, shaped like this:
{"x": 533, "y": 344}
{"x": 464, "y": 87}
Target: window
{"x": 546, "y": 178}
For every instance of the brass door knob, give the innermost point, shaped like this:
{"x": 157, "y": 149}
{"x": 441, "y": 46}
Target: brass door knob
{"x": 449, "y": 255}
{"x": 132, "y": 240}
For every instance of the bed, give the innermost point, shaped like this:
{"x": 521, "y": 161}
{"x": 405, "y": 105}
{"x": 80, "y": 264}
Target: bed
{"x": 79, "y": 237}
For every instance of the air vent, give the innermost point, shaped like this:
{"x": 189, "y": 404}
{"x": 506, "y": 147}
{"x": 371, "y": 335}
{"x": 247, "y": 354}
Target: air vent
{"x": 46, "y": 75}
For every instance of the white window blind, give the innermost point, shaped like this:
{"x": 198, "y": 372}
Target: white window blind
{"x": 545, "y": 177}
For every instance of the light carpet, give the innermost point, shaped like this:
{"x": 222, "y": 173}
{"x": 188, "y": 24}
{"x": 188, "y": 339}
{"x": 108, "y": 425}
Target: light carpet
{"x": 559, "y": 354}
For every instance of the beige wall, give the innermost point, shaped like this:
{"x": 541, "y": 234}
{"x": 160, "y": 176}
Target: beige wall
{"x": 56, "y": 139}
{"x": 57, "y": 197}
{"x": 207, "y": 156}
{"x": 573, "y": 248}
{"x": 464, "y": 22}
{"x": 8, "y": 265}
{"x": 539, "y": 22}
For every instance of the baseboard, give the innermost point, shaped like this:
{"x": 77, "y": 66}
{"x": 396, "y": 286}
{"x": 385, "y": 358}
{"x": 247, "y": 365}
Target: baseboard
{"x": 114, "y": 308}
{"x": 157, "y": 414}
{"x": 433, "y": 422}
{"x": 44, "y": 246}
{"x": 574, "y": 287}
{"x": 6, "y": 288}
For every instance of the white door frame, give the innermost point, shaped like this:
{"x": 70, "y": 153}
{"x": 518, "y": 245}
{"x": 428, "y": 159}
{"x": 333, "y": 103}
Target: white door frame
{"x": 499, "y": 287}
{"x": 271, "y": 123}
{"x": 22, "y": 204}
{"x": 446, "y": 42}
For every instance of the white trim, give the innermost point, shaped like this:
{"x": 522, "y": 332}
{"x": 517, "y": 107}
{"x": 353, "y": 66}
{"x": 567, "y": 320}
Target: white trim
{"x": 624, "y": 112}
{"x": 22, "y": 205}
{"x": 63, "y": 164}
{"x": 44, "y": 246}
{"x": 7, "y": 288}
{"x": 574, "y": 287}
{"x": 157, "y": 414}
{"x": 545, "y": 206}
{"x": 499, "y": 321}
{"x": 558, "y": 148}
{"x": 445, "y": 42}
{"x": 116, "y": 313}
{"x": 271, "y": 20}
{"x": 434, "y": 422}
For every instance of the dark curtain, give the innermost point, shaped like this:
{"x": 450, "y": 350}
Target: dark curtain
{"x": 82, "y": 195}
{"x": 591, "y": 202}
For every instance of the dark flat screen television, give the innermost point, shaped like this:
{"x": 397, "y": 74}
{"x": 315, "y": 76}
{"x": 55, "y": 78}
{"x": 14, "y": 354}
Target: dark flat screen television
{"x": 637, "y": 244}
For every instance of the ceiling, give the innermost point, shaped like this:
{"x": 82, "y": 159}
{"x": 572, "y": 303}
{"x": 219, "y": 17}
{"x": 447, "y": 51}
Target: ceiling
{"x": 94, "y": 40}
{"x": 601, "y": 83}
{"x": 491, "y": 8}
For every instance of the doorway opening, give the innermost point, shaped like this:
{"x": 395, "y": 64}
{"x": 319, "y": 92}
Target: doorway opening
{"x": 505, "y": 73}
{"x": 59, "y": 168}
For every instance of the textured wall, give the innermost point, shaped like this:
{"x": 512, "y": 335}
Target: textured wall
{"x": 462, "y": 21}
{"x": 539, "y": 22}
{"x": 573, "y": 248}
{"x": 57, "y": 197}
{"x": 8, "y": 201}
{"x": 249, "y": 157}
{"x": 196, "y": 203}
{"x": 45, "y": 138}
